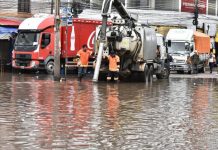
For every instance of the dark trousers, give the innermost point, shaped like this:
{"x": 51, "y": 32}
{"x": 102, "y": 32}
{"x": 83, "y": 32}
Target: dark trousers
{"x": 82, "y": 71}
{"x": 194, "y": 68}
{"x": 211, "y": 65}
{"x": 112, "y": 74}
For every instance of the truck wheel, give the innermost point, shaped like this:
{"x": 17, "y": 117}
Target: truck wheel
{"x": 50, "y": 67}
{"x": 190, "y": 72}
{"x": 165, "y": 73}
{"x": 145, "y": 74}
{"x": 150, "y": 73}
{"x": 202, "y": 70}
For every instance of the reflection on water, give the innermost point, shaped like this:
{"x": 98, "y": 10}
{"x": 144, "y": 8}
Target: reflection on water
{"x": 38, "y": 113}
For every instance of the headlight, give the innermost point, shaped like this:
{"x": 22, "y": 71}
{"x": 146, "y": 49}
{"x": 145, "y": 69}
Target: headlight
{"x": 33, "y": 63}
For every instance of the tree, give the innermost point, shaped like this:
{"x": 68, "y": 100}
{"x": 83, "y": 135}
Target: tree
{"x": 76, "y": 9}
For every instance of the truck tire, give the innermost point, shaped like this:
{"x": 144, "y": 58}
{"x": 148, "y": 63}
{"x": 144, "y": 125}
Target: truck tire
{"x": 164, "y": 74}
{"x": 202, "y": 70}
{"x": 145, "y": 74}
{"x": 150, "y": 73}
{"x": 50, "y": 67}
{"x": 190, "y": 72}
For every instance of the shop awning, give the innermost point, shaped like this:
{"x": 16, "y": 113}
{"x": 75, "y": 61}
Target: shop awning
{"x": 5, "y": 36}
{"x": 7, "y": 30}
{"x": 9, "y": 22}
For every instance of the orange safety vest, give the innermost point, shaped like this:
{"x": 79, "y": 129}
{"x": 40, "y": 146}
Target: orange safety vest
{"x": 113, "y": 63}
{"x": 84, "y": 57}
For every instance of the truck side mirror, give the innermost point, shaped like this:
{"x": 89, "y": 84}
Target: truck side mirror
{"x": 191, "y": 48}
{"x": 169, "y": 43}
{"x": 187, "y": 46}
{"x": 46, "y": 38}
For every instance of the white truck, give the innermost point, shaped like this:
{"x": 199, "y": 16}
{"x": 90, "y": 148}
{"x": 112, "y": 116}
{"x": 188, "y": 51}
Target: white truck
{"x": 180, "y": 45}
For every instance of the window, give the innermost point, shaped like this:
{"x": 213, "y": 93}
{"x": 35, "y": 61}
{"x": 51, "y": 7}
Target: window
{"x": 46, "y": 39}
{"x": 24, "y": 6}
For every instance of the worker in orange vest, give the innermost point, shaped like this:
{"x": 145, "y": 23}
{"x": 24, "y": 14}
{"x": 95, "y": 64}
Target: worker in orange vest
{"x": 114, "y": 66}
{"x": 83, "y": 55}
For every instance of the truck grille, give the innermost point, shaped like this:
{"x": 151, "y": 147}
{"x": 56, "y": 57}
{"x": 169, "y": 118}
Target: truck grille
{"x": 23, "y": 56}
{"x": 180, "y": 61}
{"x": 22, "y": 63}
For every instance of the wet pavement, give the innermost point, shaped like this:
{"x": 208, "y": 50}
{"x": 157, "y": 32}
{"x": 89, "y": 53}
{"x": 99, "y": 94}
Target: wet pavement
{"x": 37, "y": 113}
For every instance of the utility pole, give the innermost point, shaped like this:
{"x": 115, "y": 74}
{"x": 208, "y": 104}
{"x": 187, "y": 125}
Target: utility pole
{"x": 196, "y": 12}
{"x": 66, "y": 50}
{"x": 52, "y": 6}
{"x": 57, "y": 75}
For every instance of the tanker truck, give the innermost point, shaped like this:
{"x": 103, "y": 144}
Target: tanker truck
{"x": 134, "y": 43}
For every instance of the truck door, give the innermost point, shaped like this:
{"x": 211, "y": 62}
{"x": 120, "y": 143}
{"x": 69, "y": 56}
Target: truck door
{"x": 46, "y": 49}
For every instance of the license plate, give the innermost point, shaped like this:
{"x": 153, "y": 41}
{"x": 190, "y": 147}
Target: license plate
{"x": 22, "y": 67}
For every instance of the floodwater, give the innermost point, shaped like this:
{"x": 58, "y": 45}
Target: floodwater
{"x": 39, "y": 114}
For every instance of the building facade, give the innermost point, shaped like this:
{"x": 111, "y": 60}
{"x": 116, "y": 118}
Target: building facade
{"x": 23, "y": 6}
{"x": 209, "y": 7}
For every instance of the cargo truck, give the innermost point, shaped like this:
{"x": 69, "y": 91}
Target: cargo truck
{"x": 181, "y": 43}
{"x": 34, "y": 46}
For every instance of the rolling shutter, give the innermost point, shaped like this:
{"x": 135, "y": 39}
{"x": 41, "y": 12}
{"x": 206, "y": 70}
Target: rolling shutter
{"x": 167, "y": 5}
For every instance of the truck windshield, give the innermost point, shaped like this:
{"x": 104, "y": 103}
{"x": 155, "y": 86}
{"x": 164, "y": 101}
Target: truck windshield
{"x": 177, "y": 47}
{"x": 26, "y": 41}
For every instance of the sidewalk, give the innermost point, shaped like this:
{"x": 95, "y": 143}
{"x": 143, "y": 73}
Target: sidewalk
{"x": 206, "y": 75}
{"x": 215, "y": 69}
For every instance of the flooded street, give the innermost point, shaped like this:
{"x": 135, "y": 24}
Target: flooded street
{"x": 38, "y": 113}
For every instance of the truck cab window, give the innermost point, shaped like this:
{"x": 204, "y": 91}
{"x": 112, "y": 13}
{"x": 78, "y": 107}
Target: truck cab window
{"x": 169, "y": 43}
{"x": 26, "y": 39}
{"x": 46, "y": 39}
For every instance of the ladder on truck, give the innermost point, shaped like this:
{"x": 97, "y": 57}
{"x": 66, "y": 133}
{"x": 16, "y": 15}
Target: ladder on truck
{"x": 72, "y": 64}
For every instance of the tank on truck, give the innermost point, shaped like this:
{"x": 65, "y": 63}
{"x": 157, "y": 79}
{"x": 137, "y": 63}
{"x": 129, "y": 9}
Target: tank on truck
{"x": 106, "y": 11}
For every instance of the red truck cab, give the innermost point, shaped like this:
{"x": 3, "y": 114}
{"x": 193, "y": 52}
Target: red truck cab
{"x": 34, "y": 46}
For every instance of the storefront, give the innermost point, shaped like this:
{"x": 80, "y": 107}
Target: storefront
{"x": 8, "y": 31}
{"x": 190, "y": 6}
